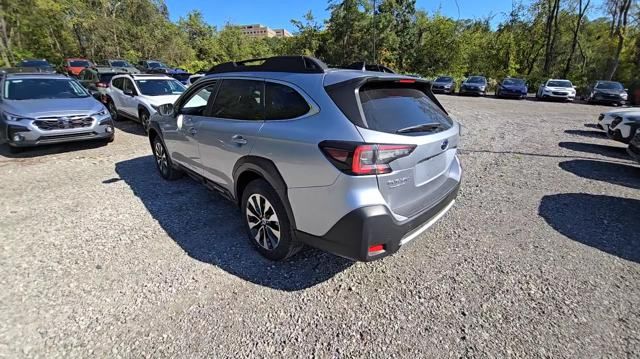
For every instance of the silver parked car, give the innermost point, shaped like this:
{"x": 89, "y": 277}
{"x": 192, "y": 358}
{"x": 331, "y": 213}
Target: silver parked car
{"x": 37, "y": 109}
{"x": 357, "y": 163}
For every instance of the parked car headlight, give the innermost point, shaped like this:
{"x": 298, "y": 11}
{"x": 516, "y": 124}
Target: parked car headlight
{"x": 482, "y": 88}
{"x": 101, "y": 113}
{"x": 624, "y": 95}
{"x": 11, "y": 117}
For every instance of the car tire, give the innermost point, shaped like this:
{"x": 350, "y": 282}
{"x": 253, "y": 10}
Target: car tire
{"x": 143, "y": 116}
{"x": 267, "y": 223}
{"x": 163, "y": 162}
{"x": 113, "y": 111}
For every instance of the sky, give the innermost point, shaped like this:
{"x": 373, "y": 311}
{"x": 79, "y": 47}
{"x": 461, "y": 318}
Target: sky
{"x": 278, "y": 13}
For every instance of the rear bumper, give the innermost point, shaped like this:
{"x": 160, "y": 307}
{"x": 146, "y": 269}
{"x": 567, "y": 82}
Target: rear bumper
{"x": 353, "y": 235}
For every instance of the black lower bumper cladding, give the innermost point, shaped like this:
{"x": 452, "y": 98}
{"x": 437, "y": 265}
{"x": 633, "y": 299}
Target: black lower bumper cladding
{"x": 352, "y": 235}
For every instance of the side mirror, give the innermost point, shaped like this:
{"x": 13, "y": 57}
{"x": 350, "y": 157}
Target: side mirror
{"x": 128, "y": 92}
{"x": 166, "y": 109}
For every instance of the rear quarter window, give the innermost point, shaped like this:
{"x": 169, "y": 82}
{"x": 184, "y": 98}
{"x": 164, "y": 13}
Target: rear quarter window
{"x": 282, "y": 102}
{"x": 390, "y": 108}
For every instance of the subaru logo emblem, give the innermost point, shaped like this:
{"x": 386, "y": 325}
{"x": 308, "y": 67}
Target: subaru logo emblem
{"x": 444, "y": 145}
{"x": 63, "y": 122}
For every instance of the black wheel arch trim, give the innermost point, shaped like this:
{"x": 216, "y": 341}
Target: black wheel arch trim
{"x": 266, "y": 169}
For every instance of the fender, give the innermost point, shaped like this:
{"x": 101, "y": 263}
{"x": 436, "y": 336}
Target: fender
{"x": 266, "y": 169}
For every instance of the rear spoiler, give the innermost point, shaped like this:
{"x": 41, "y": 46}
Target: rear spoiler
{"x": 345, "y": 94}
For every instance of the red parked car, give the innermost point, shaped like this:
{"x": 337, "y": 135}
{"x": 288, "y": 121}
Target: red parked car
{"x": 73, "y": 66}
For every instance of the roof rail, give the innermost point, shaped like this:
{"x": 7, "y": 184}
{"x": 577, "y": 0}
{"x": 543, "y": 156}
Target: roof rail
{"x": 297, "y": 64}
{"x": 363, "y": 66}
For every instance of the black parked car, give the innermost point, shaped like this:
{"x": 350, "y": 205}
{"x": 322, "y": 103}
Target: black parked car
{"x": 36, "y": 65}
{"x": 96, "y": 79}
{"x": 474, "y": 85}
{"x": 444, "y": 84}
{"x": 607, "y": 92}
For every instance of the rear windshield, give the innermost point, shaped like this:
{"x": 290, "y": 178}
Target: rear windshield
{"x": 392, "y": 108}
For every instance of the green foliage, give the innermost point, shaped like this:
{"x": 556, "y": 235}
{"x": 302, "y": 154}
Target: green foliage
{"x": 406, "y": 39}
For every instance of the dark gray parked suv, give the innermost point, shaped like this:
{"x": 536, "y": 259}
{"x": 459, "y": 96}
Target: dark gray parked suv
{"x": 357, "y": 163}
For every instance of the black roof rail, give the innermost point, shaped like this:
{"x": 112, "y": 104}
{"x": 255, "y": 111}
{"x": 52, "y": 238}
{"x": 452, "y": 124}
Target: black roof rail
{"x": 297, "y": 64}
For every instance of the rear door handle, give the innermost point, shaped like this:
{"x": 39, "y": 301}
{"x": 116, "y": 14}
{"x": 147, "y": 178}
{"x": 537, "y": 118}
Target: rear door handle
{"x": 239, "y": 140}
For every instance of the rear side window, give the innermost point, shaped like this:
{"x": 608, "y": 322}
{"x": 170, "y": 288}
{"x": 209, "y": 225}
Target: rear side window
{"x": 389, "y": 108}
{"x": 283, "y": 102}
{"x": 240, "y": 100}
{"x": 117, "y": 83}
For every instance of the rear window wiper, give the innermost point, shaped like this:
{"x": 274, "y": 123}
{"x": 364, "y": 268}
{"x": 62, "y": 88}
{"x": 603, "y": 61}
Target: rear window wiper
{"x": 424, "y": 127}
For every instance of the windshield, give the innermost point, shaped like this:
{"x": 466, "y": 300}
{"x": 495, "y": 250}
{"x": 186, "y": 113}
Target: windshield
{"x": 156, "y": 65}
{"x": 559, "y": 83}
{"x": 444, "y": 79}
{"x": 34, "y": 63}
{"x": 120, "y": 64}
{"x": 36, "y": 89}
{"x": 609, "y": 86}
{"x": 476, "y": 80}
{"x": 513, "y": 82}
{"x": 79, "y": 63}
{"x": 160, "y": 87}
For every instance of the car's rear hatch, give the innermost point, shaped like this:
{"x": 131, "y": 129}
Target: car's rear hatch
{"x": 401, "y": 111}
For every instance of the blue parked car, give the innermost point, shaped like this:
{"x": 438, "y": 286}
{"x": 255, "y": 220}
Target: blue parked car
{"x": 513, "y": 88}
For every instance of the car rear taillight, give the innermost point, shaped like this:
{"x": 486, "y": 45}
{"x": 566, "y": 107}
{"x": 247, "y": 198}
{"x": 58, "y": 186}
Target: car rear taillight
{"x": 102, "y": 85}
{"x": 364, "y": 159}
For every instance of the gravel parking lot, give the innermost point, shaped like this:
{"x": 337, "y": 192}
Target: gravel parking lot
{"x": 540, "y": 257}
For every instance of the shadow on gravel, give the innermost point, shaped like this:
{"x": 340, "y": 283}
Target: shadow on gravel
{"x": 592, "y": 125}
{"x": 603, "y": 150}
{"x": 209, "y": 229}
{"x": 609, "y": 224}
{"x": 593, "y": 134}
{"x": 616, "y": 173}
{"x": 130, "y": 126}
{"x": 51, "y": 149}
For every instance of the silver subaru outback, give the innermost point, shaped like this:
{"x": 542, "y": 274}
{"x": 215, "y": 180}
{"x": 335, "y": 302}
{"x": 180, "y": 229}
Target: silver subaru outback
{"x": 356, "y": 163}
{"x": 38, "y": 109}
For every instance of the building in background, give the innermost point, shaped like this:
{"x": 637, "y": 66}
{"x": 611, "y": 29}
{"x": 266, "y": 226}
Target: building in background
{"x": 258, "y": 30}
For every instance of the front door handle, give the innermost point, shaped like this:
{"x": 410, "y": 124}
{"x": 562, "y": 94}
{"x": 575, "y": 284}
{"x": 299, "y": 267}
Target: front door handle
{"x": 239, "y": 140}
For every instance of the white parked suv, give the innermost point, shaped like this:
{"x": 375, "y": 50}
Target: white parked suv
{"x": 605, "y": 118}
{"x": 556, "y": 89}
{"x": 137, "y": 96}
{"x": 624, "y": 126}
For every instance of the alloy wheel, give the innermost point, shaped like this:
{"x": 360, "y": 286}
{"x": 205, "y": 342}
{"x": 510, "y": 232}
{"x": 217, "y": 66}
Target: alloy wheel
{"x": 161, "y": 158}
{"x": 263, "y": 222}
{"x": 144, "y": 118}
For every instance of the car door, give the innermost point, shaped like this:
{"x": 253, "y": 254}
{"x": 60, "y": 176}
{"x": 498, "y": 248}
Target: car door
{"x": 115, "y": 92}
{"x": 129, "y": 102}
{"x": 231, "y": 129}
{"x": 190, "y": 111}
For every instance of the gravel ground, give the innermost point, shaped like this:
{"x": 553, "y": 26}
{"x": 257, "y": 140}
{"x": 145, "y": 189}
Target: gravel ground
{"x": 540, "y": 257}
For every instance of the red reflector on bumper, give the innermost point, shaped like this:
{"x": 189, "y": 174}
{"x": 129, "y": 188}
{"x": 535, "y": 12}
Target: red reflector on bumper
{"x": 376, "y": 248}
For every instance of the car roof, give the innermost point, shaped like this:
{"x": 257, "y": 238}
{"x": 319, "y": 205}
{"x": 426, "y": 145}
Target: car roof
{"x": 34, "y": 75}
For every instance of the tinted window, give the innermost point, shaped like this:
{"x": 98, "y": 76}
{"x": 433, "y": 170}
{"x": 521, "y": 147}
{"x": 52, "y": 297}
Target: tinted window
{"x": 197, "y": 103}
{"x": 559, "y": 83}
{"x": 127, "y": 85}
{"x": 34, "y": 63}
{"x": 120, "y": 64}
{"x": 240, "y": 100}
{"x": 391, "y": 108}
{"x": 609, "y": 86}
{"x": 160, "y": 87}
{"x": 476, "y": 80}
{"x": 283, "y": 102}
{"x": 117, "y": 83}
{"x": 106, "y": 77}
{"x": 32, "y": 89}
{"x": 79, "y": 63}
{"x": 513, "y": 82}
{"x": 444, "y": 79}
